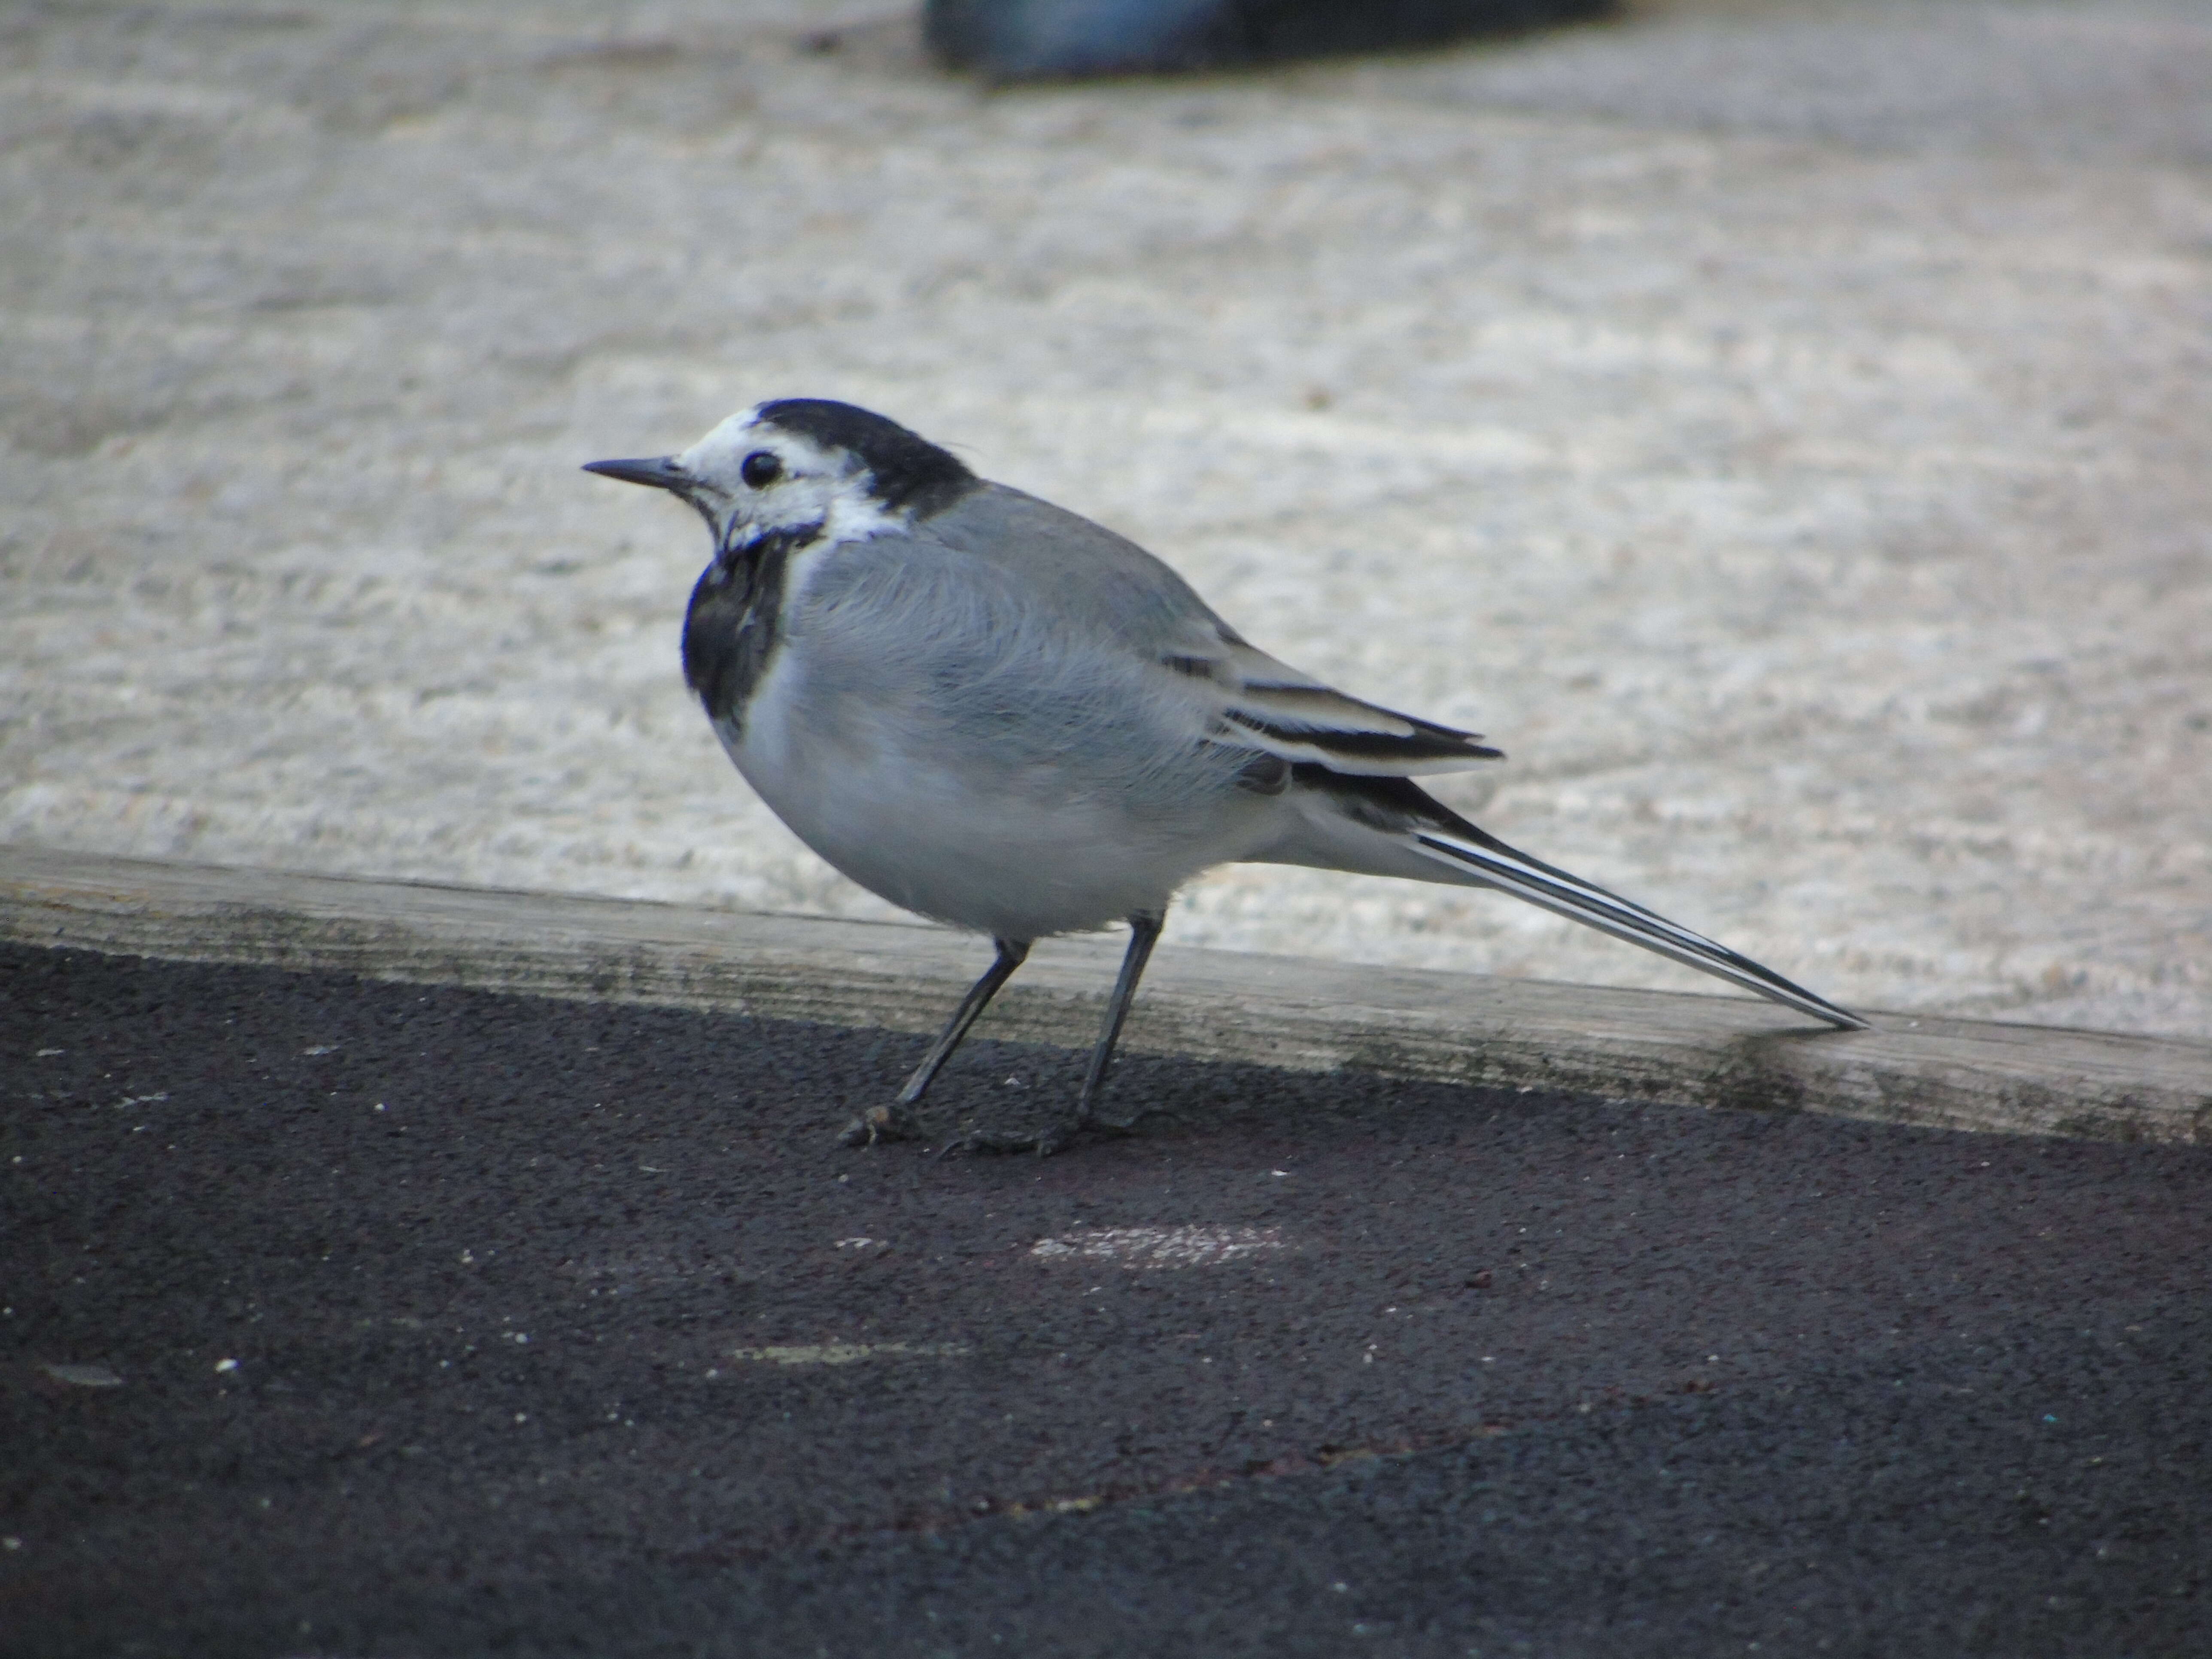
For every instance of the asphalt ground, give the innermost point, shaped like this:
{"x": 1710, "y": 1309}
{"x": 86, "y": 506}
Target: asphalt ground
{"x": 348, "y": 1318}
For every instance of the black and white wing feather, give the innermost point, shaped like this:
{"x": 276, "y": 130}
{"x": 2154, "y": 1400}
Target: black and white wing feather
{"x": 1109, "y": 592}
{"x": 1267, "y": 705}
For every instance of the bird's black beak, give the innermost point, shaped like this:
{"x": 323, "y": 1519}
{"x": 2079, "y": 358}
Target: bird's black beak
{"x": 661, "y": 471}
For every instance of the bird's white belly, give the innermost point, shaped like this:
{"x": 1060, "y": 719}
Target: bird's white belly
{"x": 1017, "y": 854}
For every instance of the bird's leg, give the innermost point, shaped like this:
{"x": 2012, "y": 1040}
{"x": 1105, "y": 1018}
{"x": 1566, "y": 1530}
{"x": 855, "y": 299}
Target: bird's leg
{"x": 895, "y": 1121}
{"x": 1144, "y": 933}
{"x": 1012, "y": 953}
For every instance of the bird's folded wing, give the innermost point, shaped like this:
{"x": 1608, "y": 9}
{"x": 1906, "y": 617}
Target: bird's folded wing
{"x": 1267, "y": 705}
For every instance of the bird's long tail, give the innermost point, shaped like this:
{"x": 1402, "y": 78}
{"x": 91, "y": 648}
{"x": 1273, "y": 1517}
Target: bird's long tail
{"x": 1512, "y": 871}
{"x": 1360, "y": 809}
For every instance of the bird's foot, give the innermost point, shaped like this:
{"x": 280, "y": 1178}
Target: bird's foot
{"x": 1042, "y": 1142}
{"x": 892, "y": 1122}
{"x": 1055, "y": 1137}
{"x": 1118, "y": 1127}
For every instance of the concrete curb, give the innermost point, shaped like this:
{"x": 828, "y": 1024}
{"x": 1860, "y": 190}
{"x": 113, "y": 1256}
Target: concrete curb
{"x": 1274, "y": 1010}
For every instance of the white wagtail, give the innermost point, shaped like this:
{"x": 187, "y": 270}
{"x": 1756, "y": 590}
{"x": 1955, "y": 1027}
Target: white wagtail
{"x": 1001, "y": 715}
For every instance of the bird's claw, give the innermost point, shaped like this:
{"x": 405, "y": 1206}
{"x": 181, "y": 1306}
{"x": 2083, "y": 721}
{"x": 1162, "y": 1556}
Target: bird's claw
{"x": 880, "y": 1123}
{"x": 1044, "y": 1142}
{"x": 896, "y": 1123}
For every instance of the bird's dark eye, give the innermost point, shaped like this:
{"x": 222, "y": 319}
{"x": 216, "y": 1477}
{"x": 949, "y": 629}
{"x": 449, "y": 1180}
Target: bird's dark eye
{"x": 761, "y": 468}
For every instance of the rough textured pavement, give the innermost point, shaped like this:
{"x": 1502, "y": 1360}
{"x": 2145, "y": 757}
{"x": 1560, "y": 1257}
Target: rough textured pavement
{"x": 344, "y": 1318}
{"x": 1780, "y": 426}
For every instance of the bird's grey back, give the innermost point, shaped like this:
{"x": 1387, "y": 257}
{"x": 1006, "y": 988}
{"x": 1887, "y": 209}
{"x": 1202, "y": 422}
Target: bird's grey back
{"x": 1098, "y": 579}
{"x": 1034, "y": 635}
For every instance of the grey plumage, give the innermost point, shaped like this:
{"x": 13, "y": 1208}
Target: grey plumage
{"x": 997, "y": 713}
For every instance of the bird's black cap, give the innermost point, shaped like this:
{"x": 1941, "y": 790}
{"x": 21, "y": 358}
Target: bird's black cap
{"x": 909, "y": 472}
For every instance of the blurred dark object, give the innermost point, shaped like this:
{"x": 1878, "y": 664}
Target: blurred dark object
{"x": 1025, "y": 40}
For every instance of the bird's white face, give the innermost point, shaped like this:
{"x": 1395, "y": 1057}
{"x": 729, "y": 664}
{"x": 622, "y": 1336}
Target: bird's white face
{"x": 749, "y": 479}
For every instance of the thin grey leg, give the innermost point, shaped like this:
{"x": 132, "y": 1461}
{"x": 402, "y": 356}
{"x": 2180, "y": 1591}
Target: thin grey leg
{"x": 1144, "y": 933}
{"x": 1012, "y": 953}
{"x": 895, "y": 1121}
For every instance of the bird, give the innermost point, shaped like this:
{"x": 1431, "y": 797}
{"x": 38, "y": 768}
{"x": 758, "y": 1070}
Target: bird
{"x": 998, "y": 714}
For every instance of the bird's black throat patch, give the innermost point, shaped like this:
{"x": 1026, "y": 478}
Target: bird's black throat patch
{"x": 730, "y": 631}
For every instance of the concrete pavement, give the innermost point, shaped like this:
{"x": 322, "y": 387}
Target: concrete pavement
{"x": 1781, "y": 428}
